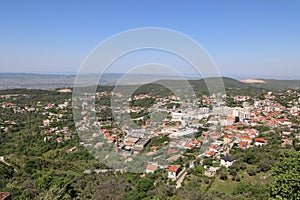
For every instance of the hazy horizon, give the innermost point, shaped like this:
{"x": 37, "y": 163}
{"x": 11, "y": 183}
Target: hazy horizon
{"x": 187, "y": 76}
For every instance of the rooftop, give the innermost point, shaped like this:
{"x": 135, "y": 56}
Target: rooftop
{"x": 173, "y": 168}
{"x": 228, "y": 158}
{"x": 4, "y": 195}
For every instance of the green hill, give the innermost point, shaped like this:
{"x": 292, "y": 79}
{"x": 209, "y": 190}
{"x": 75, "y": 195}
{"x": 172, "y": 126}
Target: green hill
{"x": 277, "y": 85}
{"x": 164, "y": 87}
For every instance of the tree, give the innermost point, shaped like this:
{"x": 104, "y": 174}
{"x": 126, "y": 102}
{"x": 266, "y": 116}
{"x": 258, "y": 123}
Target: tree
{"x": 145, "y": 184}
{"x": 30, "y": 167}
{"x": 223, "y": 176}
{"x": 7, "y": 172}
{"x": 238, "y": 165}
{"x": 54, "y": 193}
{"x": 242, "y": 188}
{"x": 233, "y": 172}
{"x": 250, "y": 157}
{"x": 198, "y": 170}
{"x": 286, "y": 184}
{"x": 251, "y": 172}
{"x": 207, "y": 161}
{"x": 265, "y": 165}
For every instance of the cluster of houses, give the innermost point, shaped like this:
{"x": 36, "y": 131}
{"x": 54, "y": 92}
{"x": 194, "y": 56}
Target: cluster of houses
{"x": 48, "y": 127}
{"x": 49, "y": 124}
{"x": 223, "y": 123}
{"x": 180, "y": 124}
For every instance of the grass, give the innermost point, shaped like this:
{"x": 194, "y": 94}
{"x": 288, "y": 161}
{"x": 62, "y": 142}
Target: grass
{"x": 223, "y": 186}
{"x": 228, "y": 185}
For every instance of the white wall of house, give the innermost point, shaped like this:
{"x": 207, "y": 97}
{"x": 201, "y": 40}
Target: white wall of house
{"x": 172, "y": 174}
{"x": 226, "y": 163}
{"x": 149, "y": 171}
{"x": 259, "y": 144}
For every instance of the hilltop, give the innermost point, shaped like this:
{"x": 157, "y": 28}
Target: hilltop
{"x": 53, "y": 81}
{"x": 276, "y": 85}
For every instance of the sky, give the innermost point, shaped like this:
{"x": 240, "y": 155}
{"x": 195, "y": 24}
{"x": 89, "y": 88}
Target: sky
{"x": 245, "y": 39}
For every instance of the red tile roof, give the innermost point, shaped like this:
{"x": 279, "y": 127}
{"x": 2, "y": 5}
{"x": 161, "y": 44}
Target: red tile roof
{"x": 243, "y": 144}
{"x": 228, "y": 136}
{"x": 171, "y": 151}
{"x": 154, "y": 147}
{"x": 173, "y": 168}
{"x": 189, "y": 146}
{"x": 246, "y": 137}
{"x": 152, "y": 167}
{"x": 4, "y": 195}
{"x": 260, "y": 140}
{"x": 211, "y": 153}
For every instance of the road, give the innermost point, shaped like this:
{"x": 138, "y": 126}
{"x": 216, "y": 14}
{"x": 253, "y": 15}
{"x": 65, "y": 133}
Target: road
{"x": 3, "y": 160}
{"x": 180, "y": 178}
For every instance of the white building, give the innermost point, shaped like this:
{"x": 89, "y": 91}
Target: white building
{"x": 173, "y": 171}
{"x": 227, "y": 161}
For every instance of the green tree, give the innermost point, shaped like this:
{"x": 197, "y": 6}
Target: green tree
{"x": 286, "y": 184}
{"x": 250, "y": 157}
{"x": 145, "y": 184}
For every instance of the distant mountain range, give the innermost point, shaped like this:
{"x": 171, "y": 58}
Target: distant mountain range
{"x": 52, "y": 81}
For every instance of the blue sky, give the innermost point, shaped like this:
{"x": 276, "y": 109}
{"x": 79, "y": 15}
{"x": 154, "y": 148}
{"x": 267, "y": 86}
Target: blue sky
{"x": 244, "y": 38}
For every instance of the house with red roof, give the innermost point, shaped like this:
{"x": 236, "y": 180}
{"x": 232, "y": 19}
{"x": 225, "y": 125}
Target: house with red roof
{"x": 151, "y": 168}
{"x": 227, "y": 138}
{"x": 59, "y": 139}
{"x": 246, "y": 138}
{"x": 188, "y": 146}
{"x": 196, "y": 142}
{"x": 154, "y": 148}
{"x": 173, "y": 171}
{"x": 5, "y": 196}
{"x": 71, "y": 149}
{"x": 286, "y": 142}
{"x": 260, "y": 142}
{"x": 209, "y": 153}
{"x": 171, "y": 151}
{"x": 243, "y": 145}
{"x": 67, "y": 136}
{"x": 46, "y": 122}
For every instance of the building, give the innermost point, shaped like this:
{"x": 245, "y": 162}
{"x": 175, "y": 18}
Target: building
{"x": 5, "y": 196}
{"x": 173, "y": 171}
{"x": 222, "y": 111}
{"x": 183, "y": 133}
{"x": 151, "y": 168}
{"x": 142, "y": 142}
{"x": 244, "y": 145}
{"x": 71, "y": 149}
{"x": 228, "y": 138}
{"x": 46, "y": 122}
{"x": 227, "y": 161}
{"x": 131, "y": 141}
{"x": 246, "y": 138}
{"x": 260, "y": 142}
{"x": 210, "y": 171}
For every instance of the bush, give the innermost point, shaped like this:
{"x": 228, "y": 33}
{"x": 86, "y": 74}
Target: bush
{"x": 233, "y": 172}
{"x": 242, "y": 188}
{"x": 250, "y": 158}
{"x": 251, "y": 172}
{"x": 206, "y": 181}
{"x": 223, "y": 176}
